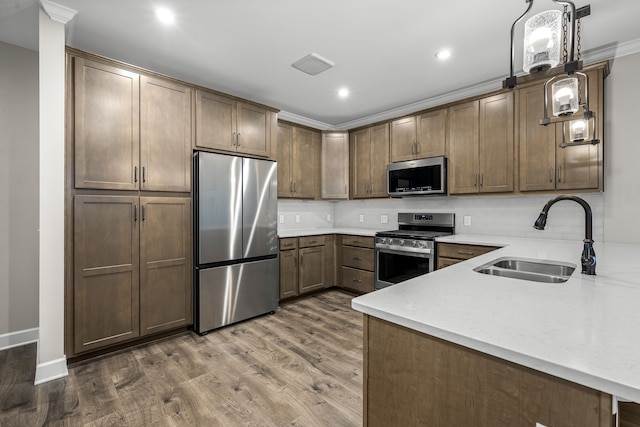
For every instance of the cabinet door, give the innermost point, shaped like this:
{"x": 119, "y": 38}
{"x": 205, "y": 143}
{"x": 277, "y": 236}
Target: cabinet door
{"x": 165, "y": 263}
{"x": 463, "y": 148}
{"x": 304, "y": 165}
{"x": 254, "y": 130}
{"x": 537, "y": 143}
{"x": 403, "y": 139}
{"x": 285, "y": 157}
{"x": 335, "y": 165}
{"x": 379, "y": 160}
{"x": 215, "y": 121}
{"x": 106, "y": 117}
{"x": 288, "y": 274}
{"x": 311, "y": 269}
{"x": 496, "y": 143}
{"x": 431, "y": 136}
{"x": 165, "y": 135}
{"x": 360, "y": 159}
{"x": 578, "y": 167}
{"x": 330, "y": 260}
{"x": 106, "y": 292}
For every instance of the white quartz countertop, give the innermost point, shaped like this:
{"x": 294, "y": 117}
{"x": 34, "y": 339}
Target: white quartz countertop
{"x": 328, "y": 230}
{"x": 586, "y": 330}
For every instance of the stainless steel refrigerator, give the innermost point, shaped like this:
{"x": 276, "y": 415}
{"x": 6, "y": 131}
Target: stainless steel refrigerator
{"x": 235, "y": 237}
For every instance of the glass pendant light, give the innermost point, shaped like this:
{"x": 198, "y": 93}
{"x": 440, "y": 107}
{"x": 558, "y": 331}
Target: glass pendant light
{"x": 578, "y": 130}
{"x": 565, "y": 97}
{"x": 542, "y": 41}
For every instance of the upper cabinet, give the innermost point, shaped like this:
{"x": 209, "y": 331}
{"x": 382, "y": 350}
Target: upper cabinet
{"x": 419, "y": 137}
{"x": 335, "y": 165}
{"x": 544, "y": 165}
{"x": 481, "y": 139}
{"x": 223, "y": 123}
{"x": 131, "y": 132}
{"x": 369, "y": 156}
{"x": 298, "y": 161}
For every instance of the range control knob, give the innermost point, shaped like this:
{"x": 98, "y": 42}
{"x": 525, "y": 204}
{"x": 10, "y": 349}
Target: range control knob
{"x": 401, "y": 242}
{"x": 422, "y": 245}
{"x": 414, "y": 243}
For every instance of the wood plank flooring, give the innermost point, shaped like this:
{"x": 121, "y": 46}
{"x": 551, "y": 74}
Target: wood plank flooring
{"x": 301, "y": 366}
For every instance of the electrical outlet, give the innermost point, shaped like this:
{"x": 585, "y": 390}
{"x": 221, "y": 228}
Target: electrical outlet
{"x": 328, "y": 217}
{"x": 540, "y": 425}
{"x": 384, "y": 219}
{"x": 361, "y": 217}
{"x": 467, "y": 220}
{"x": 281, "y": 219}
{"x": 297, "y": 218}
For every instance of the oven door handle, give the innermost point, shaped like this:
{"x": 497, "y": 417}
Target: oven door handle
{"x": 418, "y": 252}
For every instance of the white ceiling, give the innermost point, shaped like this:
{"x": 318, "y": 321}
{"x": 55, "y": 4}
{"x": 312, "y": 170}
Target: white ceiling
{"x": 383, "y": 50}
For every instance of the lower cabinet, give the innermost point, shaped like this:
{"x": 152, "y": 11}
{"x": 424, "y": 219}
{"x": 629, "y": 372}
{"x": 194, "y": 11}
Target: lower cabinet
{"x": 451, "y": 385}
{"x": 132, "y": 268}
{"x": 358, "y": 263}
{"x": 453, "y": 253}
{"x": 303, "y": 264}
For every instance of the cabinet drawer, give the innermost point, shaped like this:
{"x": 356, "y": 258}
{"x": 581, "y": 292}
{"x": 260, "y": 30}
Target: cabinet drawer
{"x": 446, "y": 262}
{"x": 358, "y": 280}
{"x": 361, "y": 258}
{"x": 309, "y": 241}
{"x": 363, "y": 242}
{"x": 288, "y": 243}
{"x": 458, "y": 251}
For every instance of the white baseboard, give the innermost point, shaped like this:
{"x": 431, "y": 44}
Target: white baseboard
{"x": 51, "y": 370}
{"x": 15, "y": 339}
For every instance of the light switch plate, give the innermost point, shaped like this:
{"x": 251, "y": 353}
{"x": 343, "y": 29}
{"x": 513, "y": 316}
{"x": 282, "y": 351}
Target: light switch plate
{"x": 328, "y": 217}
{"x": 467, "y": 220}
{"x": 281, "y": 219}
{"x": 384, "y": 219}
{"x": 361, "y": 217}
{"x": 297, "y": 218}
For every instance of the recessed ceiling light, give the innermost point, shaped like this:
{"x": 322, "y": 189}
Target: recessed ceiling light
{"x": 343, "y": 93}
{"x": 443, "y": 54}
{"x": 165, "y": 16}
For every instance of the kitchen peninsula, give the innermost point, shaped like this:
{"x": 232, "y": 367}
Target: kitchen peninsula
{"x": 456, "y": 347}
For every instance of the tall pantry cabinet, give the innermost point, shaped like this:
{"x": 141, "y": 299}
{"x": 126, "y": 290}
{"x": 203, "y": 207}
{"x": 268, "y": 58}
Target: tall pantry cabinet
{"x": 128, "y": 242}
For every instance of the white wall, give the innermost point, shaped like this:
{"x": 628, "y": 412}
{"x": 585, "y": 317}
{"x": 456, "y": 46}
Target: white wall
{"x": 622, "y": 151}
{"x": 18, "y": 189}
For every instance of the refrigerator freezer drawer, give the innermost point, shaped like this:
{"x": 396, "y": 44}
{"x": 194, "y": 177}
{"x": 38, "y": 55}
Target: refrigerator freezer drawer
{"x": 229, "y": 294}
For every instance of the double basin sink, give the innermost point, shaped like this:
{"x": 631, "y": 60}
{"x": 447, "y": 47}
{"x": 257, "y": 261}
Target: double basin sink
{"x": 528, "y": 269}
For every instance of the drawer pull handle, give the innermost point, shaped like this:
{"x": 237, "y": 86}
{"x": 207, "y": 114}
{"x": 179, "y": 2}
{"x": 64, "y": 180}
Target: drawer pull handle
{"x": 357, "y": 280}
{"x": 465, "y": 252}
{"x": 313, "y": 241}
{"x": 286, "y": 245}
{"x": 357, "y": 258}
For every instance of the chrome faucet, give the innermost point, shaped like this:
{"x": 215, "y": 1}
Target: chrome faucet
{"x": 588, "y": 254}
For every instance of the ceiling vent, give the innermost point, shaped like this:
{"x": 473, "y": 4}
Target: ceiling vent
{"x": 312, "y": 64}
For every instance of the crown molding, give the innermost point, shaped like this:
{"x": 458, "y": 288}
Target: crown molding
{"x": 301, "y": 120}
{"x": 57, "y": 12}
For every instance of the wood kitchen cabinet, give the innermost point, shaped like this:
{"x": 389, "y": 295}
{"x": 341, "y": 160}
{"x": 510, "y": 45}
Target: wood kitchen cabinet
{"x": 131, "y": 132}
{"x": 419, "y": 137}
{"x": 335, "y": 165}
{"x": 137, "y": 279}
{"x": 453, "y": 385}
{"x": 453, "y": 253}
{"x": 481, "y": 144}
{"x": 303, "y": 264}
{"x": 544, "y": 165}
{"x": 223, "y": 123}
{"x": 358, "y": 263}
{"x": 298, "y": 161}
{"x": 369, "y": 156}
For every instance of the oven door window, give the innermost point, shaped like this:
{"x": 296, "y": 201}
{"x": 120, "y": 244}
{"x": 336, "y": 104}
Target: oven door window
{"x": 395, "y": 267}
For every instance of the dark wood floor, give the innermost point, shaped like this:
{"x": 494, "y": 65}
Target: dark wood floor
{"x": 299, "y": 367}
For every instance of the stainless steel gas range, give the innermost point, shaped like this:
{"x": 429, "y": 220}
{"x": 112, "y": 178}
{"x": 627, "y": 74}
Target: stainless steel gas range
{"x": 409, "y": 251}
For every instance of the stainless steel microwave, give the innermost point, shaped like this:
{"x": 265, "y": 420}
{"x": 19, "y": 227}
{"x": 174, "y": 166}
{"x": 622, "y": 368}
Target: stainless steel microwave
{"x": 417, "y": 177}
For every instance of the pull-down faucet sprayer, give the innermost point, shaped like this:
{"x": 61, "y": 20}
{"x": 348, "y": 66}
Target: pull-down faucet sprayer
{"x": 588, "y": 254}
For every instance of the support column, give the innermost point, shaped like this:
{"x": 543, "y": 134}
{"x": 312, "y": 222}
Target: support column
{"x": 51, "y": 360}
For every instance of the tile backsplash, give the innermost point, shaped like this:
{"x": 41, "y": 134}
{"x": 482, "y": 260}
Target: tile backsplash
{"x": 494, "y": 215}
